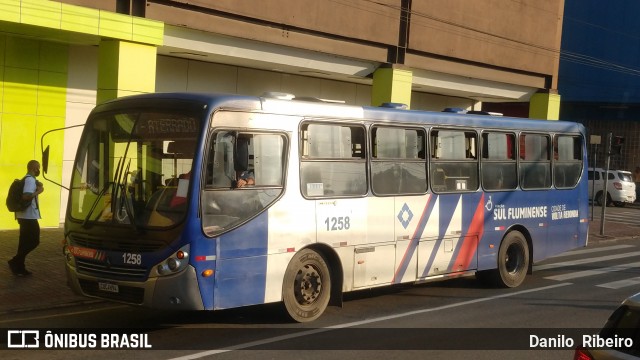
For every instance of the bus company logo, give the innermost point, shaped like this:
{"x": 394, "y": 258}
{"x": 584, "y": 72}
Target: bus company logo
{"x": 23, "y": 339}
{"x": 405, "y": 215}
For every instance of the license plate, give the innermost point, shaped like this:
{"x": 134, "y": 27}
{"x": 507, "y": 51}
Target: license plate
{"x": 113, "y": 288}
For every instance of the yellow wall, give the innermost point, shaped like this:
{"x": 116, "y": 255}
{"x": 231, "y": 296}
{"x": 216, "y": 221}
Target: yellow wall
{"x": 34, "y": 73}
{"x": 33, "y": 80}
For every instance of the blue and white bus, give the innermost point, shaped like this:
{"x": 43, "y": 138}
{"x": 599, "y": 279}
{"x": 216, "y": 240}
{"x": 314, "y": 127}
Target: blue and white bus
{"x": 336, "y": 198}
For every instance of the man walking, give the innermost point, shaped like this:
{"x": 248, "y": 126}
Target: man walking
{"x": 28, "y": 220}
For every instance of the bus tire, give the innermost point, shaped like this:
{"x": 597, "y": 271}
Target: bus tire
{"x": 306, "y": 288}
{"x": 513, "y": 260}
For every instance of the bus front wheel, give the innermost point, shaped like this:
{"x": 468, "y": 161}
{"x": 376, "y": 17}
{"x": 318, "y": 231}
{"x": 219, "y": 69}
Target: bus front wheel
{"x": 513, "y": 260}
{"x": 307, "y": 286}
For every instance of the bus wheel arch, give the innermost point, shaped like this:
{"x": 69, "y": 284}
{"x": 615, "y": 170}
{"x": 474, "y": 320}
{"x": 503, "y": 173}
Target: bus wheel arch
{"x": 310, "y": 282}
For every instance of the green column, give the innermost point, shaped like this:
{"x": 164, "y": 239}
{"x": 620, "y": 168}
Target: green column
{"x": 545, "y": 105}
{"x": 391, "y": 84}
{"x": 125, "y": 68}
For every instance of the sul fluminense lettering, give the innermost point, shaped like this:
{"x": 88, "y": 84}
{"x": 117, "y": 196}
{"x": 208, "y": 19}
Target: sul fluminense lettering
{"x": 528, "y": 212}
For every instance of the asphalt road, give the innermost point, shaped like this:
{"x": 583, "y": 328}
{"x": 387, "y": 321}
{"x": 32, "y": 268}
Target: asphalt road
{"x": 567, "y": 296}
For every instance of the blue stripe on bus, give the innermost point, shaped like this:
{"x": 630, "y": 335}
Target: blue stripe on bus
{"x": 448, "y": 205}
{"x": 422, "y": 223}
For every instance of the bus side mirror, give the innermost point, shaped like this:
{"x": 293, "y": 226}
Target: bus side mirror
{"x": 45, "y": 159}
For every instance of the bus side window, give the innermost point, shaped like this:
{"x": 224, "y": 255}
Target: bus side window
{"x": 438, "y": 180}
{"x": 535, "y": 162}
{"x": 263, "y": 155}
{"x": 398, "y": 163}
{"x": 567, "y": 166}
{"x": 332, "y": 160}
{"x": 499, "y": 167}
{"x": 221, "y": 160}
{"x": 454, "y": 158}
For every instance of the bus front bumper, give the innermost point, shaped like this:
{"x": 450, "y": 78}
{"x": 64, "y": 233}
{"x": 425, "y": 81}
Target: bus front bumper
{"x": 174, "y": 292}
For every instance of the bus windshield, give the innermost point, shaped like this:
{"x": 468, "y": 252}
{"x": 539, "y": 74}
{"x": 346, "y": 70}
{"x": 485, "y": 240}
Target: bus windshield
{"x": 133, "y": 168}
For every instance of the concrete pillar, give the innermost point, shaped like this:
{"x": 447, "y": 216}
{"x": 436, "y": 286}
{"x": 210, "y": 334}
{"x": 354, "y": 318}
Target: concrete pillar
{"x": 545, "y": 105}
{"x": 391, "y": 84}
{"x": 125, "y": 68}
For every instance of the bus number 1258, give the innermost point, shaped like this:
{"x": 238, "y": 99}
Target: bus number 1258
{"x": 337, "y": 223}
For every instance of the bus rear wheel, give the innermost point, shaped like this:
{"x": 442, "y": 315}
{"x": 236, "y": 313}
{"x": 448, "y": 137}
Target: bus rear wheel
{"x": 307, "y": 286}
{"x": 513, "y": 260}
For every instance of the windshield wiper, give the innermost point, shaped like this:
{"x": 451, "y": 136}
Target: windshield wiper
{"x": 120, "y": 199}
{"x": 125, "y": 201}
{"x": 95, "y": 204}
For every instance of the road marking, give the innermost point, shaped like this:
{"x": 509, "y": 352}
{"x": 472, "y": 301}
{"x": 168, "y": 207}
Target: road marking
{"x": 623, "y": 218}
{"x": 359, "y": 323}
{"x": 585, "y": 261}
{"x": 585, "y": 273}
{"x": 61, "y": 315}
{"x": 591, "y": 250}
{"x": 621, "y": 283}
{"x": 625, "y": 221}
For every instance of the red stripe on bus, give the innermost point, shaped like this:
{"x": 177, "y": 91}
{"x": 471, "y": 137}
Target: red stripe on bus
{"x": 470, "y": 245}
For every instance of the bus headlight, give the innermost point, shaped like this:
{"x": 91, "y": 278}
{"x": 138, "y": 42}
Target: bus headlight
{"x": 175, "y": 263}
{"x": 68, "y": 256}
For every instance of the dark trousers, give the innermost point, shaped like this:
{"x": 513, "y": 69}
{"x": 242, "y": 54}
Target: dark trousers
{"x": 29, "y": 240}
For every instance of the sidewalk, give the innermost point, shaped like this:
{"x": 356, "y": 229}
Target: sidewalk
{"x": 47, "y": 288}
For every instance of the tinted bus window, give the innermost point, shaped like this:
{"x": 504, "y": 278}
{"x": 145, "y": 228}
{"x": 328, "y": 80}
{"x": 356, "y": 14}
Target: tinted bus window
{"x": 535, "y": 163}
{"x": 258, "y": 159}
{"x": 499, "y": 168}
{"x": 398, "y": 163}
{"x": 567, "y": 165}
{"x": 454, "y": 161}
{"x": 332, "y": 160}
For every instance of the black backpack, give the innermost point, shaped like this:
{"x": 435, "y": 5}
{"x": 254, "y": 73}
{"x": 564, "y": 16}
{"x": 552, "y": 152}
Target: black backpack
{"x": 14, "y": 197}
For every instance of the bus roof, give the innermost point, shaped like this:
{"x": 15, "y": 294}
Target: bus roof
{"x": 319, "y": 109}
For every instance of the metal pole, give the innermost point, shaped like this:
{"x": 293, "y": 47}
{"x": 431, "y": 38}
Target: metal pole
{"x": 593, "y": 181}
{"x": 605, "y": 184}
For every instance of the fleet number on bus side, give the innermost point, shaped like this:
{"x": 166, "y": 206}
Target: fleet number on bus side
{"x": 337, "y": 223}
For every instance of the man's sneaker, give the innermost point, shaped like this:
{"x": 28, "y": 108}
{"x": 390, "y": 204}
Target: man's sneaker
{"x": 16, "y": 271}
{"x": 13, "y": 268}
{"x": 24, "y": 272}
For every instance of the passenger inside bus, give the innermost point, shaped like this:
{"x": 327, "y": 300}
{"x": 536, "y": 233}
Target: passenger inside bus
{"x": 245, "y": 178}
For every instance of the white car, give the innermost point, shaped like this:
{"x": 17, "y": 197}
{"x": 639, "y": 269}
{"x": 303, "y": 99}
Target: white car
{"x": 620, "y": 187}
